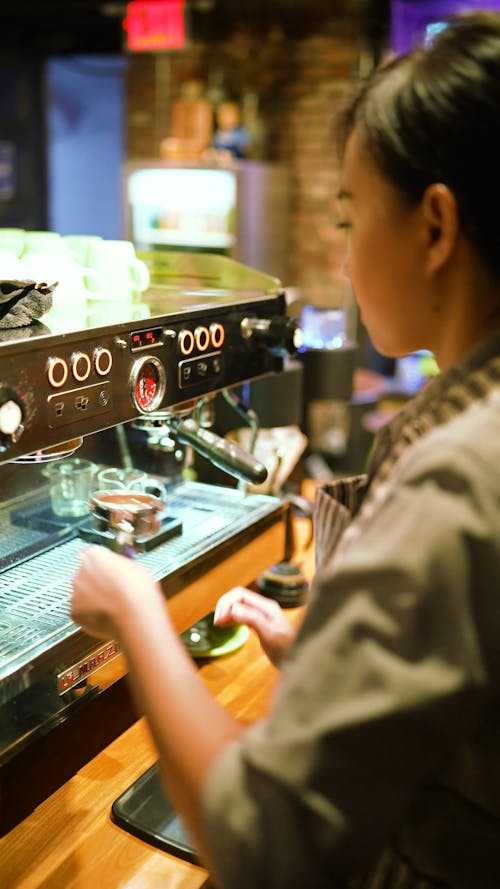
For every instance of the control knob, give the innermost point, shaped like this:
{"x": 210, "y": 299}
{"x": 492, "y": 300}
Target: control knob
{"x": 280, "y": 335}
{"x": 11, "y": 418}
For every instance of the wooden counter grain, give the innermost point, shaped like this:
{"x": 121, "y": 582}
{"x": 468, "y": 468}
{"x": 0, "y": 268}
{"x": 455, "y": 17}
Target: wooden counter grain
{"x": 69, "y": 841}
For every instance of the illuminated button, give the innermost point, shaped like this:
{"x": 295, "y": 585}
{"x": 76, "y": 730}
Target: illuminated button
{"x": 81, "y": 366}
{"x": 202, "y": 338}
{"x": 217, "y": 334}
{"x": 103, "y": 361}
{"x": 186, "y": 342}
{"x": 57, "y": 372}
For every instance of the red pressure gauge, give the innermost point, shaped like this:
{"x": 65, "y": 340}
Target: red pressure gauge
{"x": 147, "y": 383}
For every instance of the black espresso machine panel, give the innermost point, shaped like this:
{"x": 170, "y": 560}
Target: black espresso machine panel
{"x": 196, "y": 335}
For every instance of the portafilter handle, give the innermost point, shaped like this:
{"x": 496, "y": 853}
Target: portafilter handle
{"x": 128, "y": 515}
{"x": 223, "y": 453}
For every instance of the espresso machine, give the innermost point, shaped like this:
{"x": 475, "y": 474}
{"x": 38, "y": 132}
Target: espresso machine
{"x": 149, "y": 370}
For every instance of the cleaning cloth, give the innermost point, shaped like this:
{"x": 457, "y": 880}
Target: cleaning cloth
{"x": 22, "y": 302}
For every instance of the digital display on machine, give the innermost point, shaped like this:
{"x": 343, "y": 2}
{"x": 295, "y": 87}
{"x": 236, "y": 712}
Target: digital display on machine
{"x": 141, "y": 339}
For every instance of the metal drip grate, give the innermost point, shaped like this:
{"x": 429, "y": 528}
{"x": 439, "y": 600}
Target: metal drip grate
{"x": 35, "y": 595}
{"x": 14, "y": 537}
{"x": 34, "y": 600}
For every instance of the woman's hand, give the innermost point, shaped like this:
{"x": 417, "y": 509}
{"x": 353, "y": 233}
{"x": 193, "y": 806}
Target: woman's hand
{"x": 103, "y": 587}
{"x": 265, "y": 616}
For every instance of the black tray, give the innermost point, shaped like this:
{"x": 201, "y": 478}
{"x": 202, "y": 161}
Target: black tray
{"x": 170, "y": 527}
{"x": 40, "y": 517}
{"x": 145, "y": 811}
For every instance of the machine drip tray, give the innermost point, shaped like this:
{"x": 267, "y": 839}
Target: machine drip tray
{"x": 144, "y": 810}
{"x": 40, "y": 517}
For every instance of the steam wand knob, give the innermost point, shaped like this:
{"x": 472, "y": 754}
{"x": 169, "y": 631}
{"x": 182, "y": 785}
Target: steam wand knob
{"x": 280, "y": 335}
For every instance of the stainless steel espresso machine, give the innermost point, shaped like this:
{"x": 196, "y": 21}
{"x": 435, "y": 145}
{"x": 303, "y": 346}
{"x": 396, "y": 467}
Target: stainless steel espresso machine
{"x": 152, "y": 367}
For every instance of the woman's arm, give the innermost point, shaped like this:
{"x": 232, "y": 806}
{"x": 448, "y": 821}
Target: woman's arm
{"x": 116, "y": 598}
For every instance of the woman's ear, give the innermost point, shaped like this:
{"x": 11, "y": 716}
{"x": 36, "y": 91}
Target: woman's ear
{"x": 441, "y": 221}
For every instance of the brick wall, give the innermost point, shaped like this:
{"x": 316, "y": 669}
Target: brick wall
{"x": 295, "y": 83}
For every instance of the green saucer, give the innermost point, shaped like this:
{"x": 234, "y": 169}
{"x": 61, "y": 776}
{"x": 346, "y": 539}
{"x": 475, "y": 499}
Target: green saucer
{"x": 204, "y": 639}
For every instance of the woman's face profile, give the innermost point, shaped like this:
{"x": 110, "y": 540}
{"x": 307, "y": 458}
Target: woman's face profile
{"x": 384, "y": 258}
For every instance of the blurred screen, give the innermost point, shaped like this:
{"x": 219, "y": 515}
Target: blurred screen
{"x": 413, "y": 23}
{"x": 182, "y": 207}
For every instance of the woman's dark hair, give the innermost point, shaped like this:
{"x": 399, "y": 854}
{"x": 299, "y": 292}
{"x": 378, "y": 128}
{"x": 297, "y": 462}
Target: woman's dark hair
{"x": 433, "y": 115}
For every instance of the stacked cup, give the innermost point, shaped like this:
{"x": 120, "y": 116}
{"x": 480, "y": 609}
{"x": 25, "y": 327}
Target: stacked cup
{"x": 94, "y": 276}
{"x": 125, "y": 277}
{"x": 46, "y": 258}
{"x": 11, "y": 248}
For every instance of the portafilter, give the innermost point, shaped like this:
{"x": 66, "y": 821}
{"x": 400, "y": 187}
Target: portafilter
{"x": 128, "y": 515}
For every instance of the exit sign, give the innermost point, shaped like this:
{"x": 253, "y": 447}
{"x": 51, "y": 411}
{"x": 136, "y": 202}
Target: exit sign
{"x": 155, "y": 24}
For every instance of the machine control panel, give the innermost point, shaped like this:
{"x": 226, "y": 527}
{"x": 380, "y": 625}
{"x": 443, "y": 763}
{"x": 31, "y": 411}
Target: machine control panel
{"x": 201, "y": 369}
{"x": 71, "y": 405}
{"x": 55, "y": 388}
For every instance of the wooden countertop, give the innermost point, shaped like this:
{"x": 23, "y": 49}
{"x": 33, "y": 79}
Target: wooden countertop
{"x": 69, "y": 841}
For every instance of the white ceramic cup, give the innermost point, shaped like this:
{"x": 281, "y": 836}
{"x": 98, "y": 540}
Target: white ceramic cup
{"x": 12, "y": 240}
{"x": 11, "y": 268}
{"x": 50, "y": 268}
{"x": 125, "y": 275}
{"x": 79, "y": 246}
{"x": 43, "y": 242}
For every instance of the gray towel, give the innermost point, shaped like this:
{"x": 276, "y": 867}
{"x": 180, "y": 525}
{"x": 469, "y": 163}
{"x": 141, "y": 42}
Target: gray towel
{"x": 22, "y": 302}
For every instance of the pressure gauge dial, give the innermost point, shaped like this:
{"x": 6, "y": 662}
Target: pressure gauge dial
{"x": 147, "y": 383}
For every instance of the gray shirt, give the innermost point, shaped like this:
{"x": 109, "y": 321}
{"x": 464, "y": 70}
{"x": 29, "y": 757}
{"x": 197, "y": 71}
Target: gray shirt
{"x": 379, "y": 765}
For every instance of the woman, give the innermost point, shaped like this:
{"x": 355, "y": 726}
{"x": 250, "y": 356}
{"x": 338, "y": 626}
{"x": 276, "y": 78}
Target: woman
{"x": 379, "y": 763}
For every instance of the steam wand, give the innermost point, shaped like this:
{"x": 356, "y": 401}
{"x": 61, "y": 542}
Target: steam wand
{"x": 224, "y": 454}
